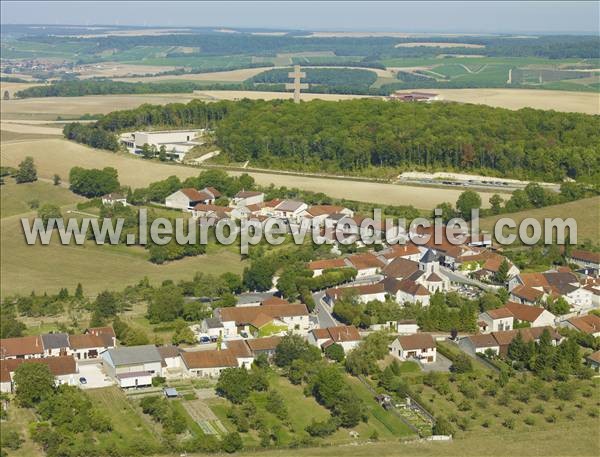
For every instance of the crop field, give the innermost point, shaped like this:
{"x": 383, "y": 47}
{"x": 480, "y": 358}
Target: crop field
{"x": 217, "y": 76}
{"x": 576, "y": 102}
{"x": 16, "y": 198}
{"x": 586, "y": 212}
{"x": 429, "y": 44}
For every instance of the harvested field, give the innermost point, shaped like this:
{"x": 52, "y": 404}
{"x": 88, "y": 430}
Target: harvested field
{"x": 29, "y": 129}
{"x": 51, "y": 108}
{"x": 577, "y": 102}
{"x": 14, "y": 87}
{"x": 222, "y": 76}
{"x": 429, "y": 44}
{"x": 59, "y": 156}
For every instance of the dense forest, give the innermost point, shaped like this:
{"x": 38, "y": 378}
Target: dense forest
{"x": 355, "y": 135}
{"x": 212, "y": 44}
{"x": 345, "y": 77}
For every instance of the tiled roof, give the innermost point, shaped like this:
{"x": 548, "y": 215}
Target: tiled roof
{"x": 209, "y": 359}
{"x": 416, "y": 341}
{"x": 289, "y": 206}
{"x": 528, "y": 293}
{"x": 90, "y": 341}
{"x": 586, "y": 256}
{"x": 327, "y": 264}
{"x": 102, "y": 331}
{"x": 247, "y": 193}
{"x": 499, "y": 313}
{"x": 587, "y": 324}
{"x": 400, "y": 250}
{"x": 524, "y": 313}
{"x": 365, "y": 260}
{"x": 483, "y": 341}
{"x": 246, "y": 314}
{"x": 400, "y": 268}
{"x": 24, "y": 345}
{"x": 528, "y": 334}
{"x": 338, "y": 334}
{"x": 264, "y": 344}
{"x": 274, "y": 301}
{"x": 595, "y": 356}
{"x": 239, "y": 348}
{"x": 58, "y": 366}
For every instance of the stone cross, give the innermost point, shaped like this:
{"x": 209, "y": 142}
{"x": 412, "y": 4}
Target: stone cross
{"x": 296, "y": 75}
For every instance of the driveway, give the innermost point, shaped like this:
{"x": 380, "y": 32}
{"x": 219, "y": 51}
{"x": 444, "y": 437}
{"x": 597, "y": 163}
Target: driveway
{"x": 441, "y": 364}
{"x": 94, "y": 375}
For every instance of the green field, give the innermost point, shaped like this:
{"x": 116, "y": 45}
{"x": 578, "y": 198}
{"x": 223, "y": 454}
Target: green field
{"x": 16, "y": 198}
{"x": 586, "y": 212}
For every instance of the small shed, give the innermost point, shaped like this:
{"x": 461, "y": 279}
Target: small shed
{"x": 171, "y": 392}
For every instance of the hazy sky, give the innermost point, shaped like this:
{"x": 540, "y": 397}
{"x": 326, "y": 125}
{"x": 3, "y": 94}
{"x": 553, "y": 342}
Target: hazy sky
{"x": 445, "y": 16}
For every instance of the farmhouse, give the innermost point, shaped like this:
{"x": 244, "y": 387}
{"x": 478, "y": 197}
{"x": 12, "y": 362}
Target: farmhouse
{"x": 420, "y": 347}
{"x": 114, "y": 198}
{"x": 265, "y": 319}
{"x": 90, "y": 345}
{"x": 406, "y": 290}
{"x": 589, "y": 324}
{"x": 63, "y": 368}
{"x": 24, "y": 347}
{"x": 290, "y": 210}
{"x": 55, "y": 344}
{"x": 208, "y": 364}
{"x": 247, "y": 198}
{"x": 585, "y": 259}
{"x": 496, "y": 320}
{"x": 318, "y": 266}
{"x": 188, "y": 197}
{"x": 346, "y": 336}
{"x": 133, "y": 366}
{"x": 408, "y": 251}
{"x": 266, "y": 346}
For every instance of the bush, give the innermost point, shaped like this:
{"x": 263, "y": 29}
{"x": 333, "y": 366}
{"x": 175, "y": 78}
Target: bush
{"x": 529, "y": 420}
{"x": 509, "y": 423}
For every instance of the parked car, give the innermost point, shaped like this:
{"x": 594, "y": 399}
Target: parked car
{"x": 82, "y": 380}
{"x": 243, "y": 334}
{"x": 204, "y": 340}
{"x": 214, "y": 339}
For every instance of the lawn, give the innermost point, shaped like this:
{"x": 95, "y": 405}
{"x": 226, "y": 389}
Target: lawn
{"x": 586, "y": 212}
{"x": 16, "y": 198}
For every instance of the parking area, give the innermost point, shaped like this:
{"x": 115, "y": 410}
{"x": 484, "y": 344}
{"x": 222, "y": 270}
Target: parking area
{"x": 441, "y": 364}
{"x": 94, "y": 376}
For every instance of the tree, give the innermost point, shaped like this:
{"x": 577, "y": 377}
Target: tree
{"x": 49, "y": 211}
{"x": 443, "y": 427}
{"x": 467, "y": 201}
{"x": 10, "y": 327}
{"x": 335, "y": 352}
{"x": 34, "y": 383}
{"x": 235, "y": 384}
{"x": 6, "y": 95}
{"x": 501, "y": 276}
{"x": 183, "y": 334}
{"x": 447, "y": 211}
{"x": 56, "y": 180}
{"x": 232, "y": 442}
{"x": 462, "y": 364}
{"x": 166, "y": 304}
{"x": 496, "y": 204}
{"x": 294, "y": 347}
{"x": 79, "y": 292}
{"x": 26, "y": 171}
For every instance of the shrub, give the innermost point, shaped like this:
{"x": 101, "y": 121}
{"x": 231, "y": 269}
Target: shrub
{"x": 529, "y": 420}
{"x": 538, "y": 409}
{"x": 509, "y": 423}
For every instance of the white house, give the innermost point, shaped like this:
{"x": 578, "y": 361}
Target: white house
{"x": 290, "y": 210}
{"x": 247, "y": 198}
{"x": 188, "y": 197}
{"x": 406, "y": 290}
{"x": 479, "y": 344}
{"x": 366, "y": 264}
{"x": 23, "y": 347}
{"x": 589, "y": 324}
{"x": 496, "y": 320}
{"x": 90, "y": 346}
{"x": 407, "y": 327}
{"x": 318, "y": 266}
{"x": 363, "y": 293}
{"x": 55, "y": 344}
{"x": 114, "y": 198}
{"x": 209, "y": 363}
{"x": 318, "y": 213}
{"x": 63, "y": 368}
{"x": 281, "y": 318}
{"x": 133, "y": 366}
{"x": 346, "y": 336}
{"x": 536, "y": 316}
{"x": 586, "y": 259}
{"x": 212, "y": 327}
{"x": 419, "y": 346}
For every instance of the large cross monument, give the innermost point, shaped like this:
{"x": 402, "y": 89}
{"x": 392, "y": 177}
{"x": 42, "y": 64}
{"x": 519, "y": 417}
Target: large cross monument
{"x": 296, "y": 75}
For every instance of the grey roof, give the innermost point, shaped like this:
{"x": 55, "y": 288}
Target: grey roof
{"x": 252, "y": 297}
{"x": 337, "y": 216}
{"x": 55, "y": 340}
{"x": 429, "y": 256}
{"x": 213, "y": 322}
{"x": 289, "y": 205}
{"x": 134, "y": 354}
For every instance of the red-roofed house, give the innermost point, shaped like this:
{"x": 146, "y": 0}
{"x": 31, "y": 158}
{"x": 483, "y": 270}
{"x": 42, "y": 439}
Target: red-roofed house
{"x": 419, "y": 346}
{"x": 367, "y": 264}
{"x": 536, "y": 316}
{"x": 496, "y": 320}
{"x": 318, "y": 266}
{"x": 589, "y": 324}
{"x": 346, "y": 336}
{"x": 188, "y": 197}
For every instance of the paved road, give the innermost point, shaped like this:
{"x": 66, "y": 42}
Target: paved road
{"x": 460, "y": 278}
{"x": 323, "y": 312}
